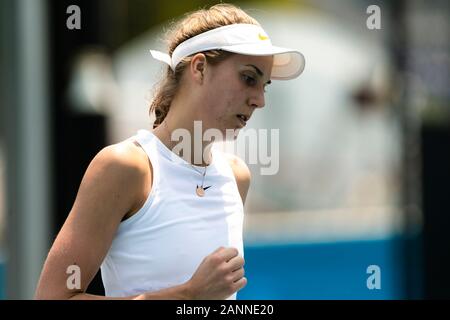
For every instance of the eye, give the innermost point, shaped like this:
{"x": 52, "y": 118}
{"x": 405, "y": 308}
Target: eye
{"x": 250, "y": 81}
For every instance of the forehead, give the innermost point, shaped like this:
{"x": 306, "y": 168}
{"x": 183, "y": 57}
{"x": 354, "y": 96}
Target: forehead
{"x": 263, "y": 63}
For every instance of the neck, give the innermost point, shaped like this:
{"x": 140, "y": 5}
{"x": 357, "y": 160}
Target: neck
{"x": 194, "y": 150}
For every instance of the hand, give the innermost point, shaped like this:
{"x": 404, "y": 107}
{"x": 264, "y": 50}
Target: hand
{"x": 219, "y": 275}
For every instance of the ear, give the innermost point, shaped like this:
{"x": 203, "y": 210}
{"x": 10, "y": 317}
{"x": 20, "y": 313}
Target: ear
{"x": 198, "y": 67}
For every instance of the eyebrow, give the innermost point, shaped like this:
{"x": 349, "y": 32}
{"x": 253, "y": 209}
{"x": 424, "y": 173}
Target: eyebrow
{"x": 258, "y": 71}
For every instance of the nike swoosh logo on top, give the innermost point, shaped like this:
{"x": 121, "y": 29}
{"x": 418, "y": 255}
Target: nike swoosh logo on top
{"x": 207, "y": 187}
{"x": 262, "y": 37}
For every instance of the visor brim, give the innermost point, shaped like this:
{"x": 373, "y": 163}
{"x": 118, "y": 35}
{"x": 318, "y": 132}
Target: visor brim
{"x": 288, "y": 63}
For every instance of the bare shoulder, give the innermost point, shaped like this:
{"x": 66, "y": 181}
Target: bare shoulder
{"x": 115, "y": 178}
{"x": 128, "y": 163}
{"x": 241, "y": 173}
{"x": 125, "y": 155}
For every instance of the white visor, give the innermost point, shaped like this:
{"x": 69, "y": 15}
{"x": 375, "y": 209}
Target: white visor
{"x": 247, "y": 39}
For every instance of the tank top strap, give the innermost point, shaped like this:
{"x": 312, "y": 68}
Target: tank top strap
{"x": 222, "y": 162}
{"x": 149, "y": 144}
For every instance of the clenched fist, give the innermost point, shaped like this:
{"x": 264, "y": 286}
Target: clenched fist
{"x": 218, "y": 276}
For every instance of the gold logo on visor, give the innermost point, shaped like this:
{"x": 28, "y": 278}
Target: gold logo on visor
{"x": 262, "y": 37}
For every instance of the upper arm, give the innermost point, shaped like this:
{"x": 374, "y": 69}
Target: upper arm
{"x": 241, "y": 173}
{"x": 107, "y": 192}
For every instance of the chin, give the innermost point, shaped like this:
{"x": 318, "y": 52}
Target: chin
{"x": 226, "y": 133}
{"x": 234, "y": 134}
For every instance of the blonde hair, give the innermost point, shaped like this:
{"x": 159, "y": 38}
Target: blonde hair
{"x": 191, "y": 25}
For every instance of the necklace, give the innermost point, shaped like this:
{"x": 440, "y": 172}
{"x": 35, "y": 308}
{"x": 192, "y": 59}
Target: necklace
{"x": 199, "y": 190}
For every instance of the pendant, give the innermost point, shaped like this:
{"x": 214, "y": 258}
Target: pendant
{"x": 200, "y": 191}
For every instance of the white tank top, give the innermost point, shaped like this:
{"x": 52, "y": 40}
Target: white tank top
{"x": 162, "y": 244}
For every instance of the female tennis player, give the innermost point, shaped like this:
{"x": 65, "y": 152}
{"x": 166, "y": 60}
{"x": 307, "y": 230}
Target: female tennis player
{"x": 159, "y": 224}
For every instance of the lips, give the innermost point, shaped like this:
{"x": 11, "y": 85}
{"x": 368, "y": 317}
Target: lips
{"x": 243, "y": 118}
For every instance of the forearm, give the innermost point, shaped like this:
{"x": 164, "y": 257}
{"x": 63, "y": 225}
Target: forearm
{"x": 180, "y": 292}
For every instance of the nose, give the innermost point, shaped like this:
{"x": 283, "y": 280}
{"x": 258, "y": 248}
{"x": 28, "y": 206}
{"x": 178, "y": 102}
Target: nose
{"x": 257, "y": 99}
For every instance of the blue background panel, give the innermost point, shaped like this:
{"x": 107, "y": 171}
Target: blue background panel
{"x": 335, "y": 270}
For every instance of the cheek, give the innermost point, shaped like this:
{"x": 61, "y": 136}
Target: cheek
{"x": 233, "y": 93}
{"x": 224, "y": 97}
{"x": 227, "y": 102}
